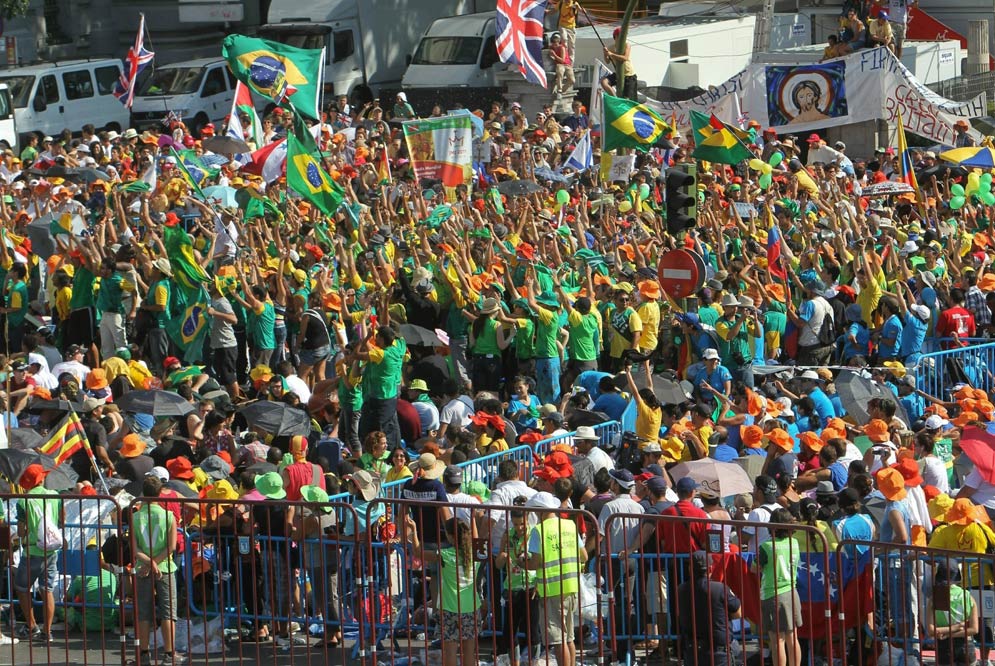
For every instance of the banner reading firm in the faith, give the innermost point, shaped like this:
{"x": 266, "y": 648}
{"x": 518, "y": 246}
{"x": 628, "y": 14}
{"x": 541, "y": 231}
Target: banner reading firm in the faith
{"x": 442, "y": 149}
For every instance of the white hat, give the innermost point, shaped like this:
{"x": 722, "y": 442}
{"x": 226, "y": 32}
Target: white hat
{"x": 729, "y": 301}
{"x": 910, "y": 247}
{"x": 920, "y": 311}
{"x": 810, "y": 374}
{"x": 112, "y": 135}
{"x": 82, "y": 148}
{"x": 542, "y": 500}
{"x": 160, "y": 473}
{"x": 935, "y": 422}
{"x": 130, "y": 133}
{"x": 586, "y": 433}
{"x": 710, "y": 354}
{"x": 785, "y": 403}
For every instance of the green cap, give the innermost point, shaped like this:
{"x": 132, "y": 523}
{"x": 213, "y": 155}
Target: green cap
{"x": 316, "y": 495}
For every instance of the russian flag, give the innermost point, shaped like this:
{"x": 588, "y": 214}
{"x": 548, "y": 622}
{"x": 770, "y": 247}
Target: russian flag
{"x": 774, "y": 253}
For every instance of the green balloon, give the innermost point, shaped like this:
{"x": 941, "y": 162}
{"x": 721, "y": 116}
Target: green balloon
{"x": 644, "y": 191}
{"x": 986, "y": 180}
{"x": 957, "y": 190}
{"x": 765, "y": 181}
{"x": 775, "y": 159}
{"x": 957, "y": 202}
{"x": 988, "y": 199}
{"x": 562, "y": 197}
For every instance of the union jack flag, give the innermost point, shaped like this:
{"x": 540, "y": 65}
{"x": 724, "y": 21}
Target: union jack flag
{"x": 137, "y": 59}
{"x": 519, "y": 37}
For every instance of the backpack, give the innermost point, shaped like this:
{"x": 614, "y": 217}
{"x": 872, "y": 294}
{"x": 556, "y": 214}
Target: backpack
{"x": 827, "y": 334}
{"x": 50, "y": 537}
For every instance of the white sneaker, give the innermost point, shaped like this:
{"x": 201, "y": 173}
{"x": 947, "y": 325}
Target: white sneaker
{"x": 8, "y": 640}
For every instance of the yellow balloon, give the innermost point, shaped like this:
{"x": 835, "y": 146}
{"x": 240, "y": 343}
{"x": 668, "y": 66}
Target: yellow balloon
{"x": 757, "y": 164}
{"x": 767, "y": 169}
{"x": 624, "y": 207}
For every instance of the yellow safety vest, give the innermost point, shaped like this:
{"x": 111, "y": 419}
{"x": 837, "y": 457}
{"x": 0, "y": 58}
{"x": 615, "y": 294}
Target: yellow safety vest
{"x": 560, "y": 563}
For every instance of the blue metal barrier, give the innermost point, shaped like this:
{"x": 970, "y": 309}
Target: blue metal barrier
{"x": 939, "y": 371}
{"x": 609, "y": 434}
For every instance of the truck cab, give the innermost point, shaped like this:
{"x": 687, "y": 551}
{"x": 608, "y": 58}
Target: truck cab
{"x": 455, "y": 52}
{"x": 343, "y": 66}
{"x": 198, "y": 91}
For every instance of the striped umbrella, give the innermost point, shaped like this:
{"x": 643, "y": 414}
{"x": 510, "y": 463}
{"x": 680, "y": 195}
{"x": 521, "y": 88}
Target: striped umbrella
{"x": 982, "y": 157}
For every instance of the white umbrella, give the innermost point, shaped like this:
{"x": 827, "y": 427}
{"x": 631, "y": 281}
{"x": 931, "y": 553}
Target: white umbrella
{"x": 717, "y": 478}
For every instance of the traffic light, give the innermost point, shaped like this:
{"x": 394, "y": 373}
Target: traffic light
{"x": 681, "y": 194}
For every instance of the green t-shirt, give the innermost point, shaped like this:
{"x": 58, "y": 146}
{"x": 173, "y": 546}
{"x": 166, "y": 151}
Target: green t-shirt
{"x": 583, "y": 342}
{"x": 779, "y": 560}
{"x": 261, "y": 326}
{"x": 459, "y": 594}
{"x": 547, "y": 331}
{"x": 28, "y": 155}
{"x": 708, "y": 315}
{"x": 17, "y": 298}
{"x": 41, "y": 507}
{"x": 486, "y": 343}
{"x": 82, "y": 289}
{"x": 99, "y": 593}
{"x": 151, "y": 524}
{"x": 519, "y": 578}
{"x": 525, "y": 344}
{"x": 110, "y": 296}
{"x": 382, "y": 375}
{"x": 160, "y": 317}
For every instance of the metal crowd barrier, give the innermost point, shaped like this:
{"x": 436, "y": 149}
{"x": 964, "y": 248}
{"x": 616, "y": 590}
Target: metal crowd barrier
{"x": 609, "y": 434}
{"x": 937, "y": 372}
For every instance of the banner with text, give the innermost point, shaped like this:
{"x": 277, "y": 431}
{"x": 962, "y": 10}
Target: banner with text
{"x": 867, "y": 85}
{"x": 442, "y": 149}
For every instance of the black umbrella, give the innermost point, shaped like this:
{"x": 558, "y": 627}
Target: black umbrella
{"x": 24, "y": 438}
{"x": 276, "y": 418}
{"x": 418, "y": 335}
{"x": 40, "y": 233}
{"x": 156, "y": 403}
{"x": 58, "y": 405}
{"x": 549, "y": 174}
{"x": 518, "y": 188}
{"x": 941, "y": 171}
{"x": 87, "y": 175}
{"x": 226, "y": 145}
{"x": 856, "y": 391}
{"x": 13, "y": 462}
{"x": 586, "y": 417}
{"x": 667, "y": 390}
{"x": 57, "y": 171}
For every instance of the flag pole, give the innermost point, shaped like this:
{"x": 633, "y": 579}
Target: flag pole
{"x": 89, "y": 449}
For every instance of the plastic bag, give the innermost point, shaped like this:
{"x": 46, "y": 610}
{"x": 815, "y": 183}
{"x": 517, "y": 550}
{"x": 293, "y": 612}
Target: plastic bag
{"x": 589, "y": 609}
{"x": 195, "y": 637}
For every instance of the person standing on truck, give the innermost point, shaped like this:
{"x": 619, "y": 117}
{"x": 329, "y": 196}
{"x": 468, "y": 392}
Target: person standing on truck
{"x": 566, "y": 24}
{"x": 624, "y": 67}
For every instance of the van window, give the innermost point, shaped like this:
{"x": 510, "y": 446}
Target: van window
{"x": 232, "y": 82}
{"x": 78, "y": 84}
{"x": 447, "y": 51}
{"x": 4, "y": 104}
{"x": 49, "y": 89}
{"x": 490, "y": 55}
{"x": 107, "y": 78}
{"x": 215, "y": 83}
{"x": 343, "y": 45}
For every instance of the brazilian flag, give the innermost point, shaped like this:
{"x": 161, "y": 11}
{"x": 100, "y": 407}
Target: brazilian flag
{"x": 288, "y": 75}
{"x": 193, "y": 172}
{"x": 630, "y": 124}
{"x": 305, "y": 174}
{"x": 187, "y": 324}
{"x": 716, "y": 141}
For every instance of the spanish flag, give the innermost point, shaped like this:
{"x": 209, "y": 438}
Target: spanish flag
{"x": 66, "y": 439}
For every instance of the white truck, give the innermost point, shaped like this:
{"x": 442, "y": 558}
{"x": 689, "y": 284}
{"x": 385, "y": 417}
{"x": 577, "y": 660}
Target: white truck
{"x": 368, "y": 42}
{"x": 198, "y": 91}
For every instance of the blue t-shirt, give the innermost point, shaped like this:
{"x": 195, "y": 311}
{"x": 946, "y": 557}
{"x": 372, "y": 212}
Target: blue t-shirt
{"x": 913, "y": 335}
{"x": 838, "y": 474}
{"x": 823, "y": 407}
{"x": 589, "y": 379}
{"x": 837, "y": 405}
{"x": 732, "y": 438}
{"x": 612, "y": 404}
{"x": 863, "y": 336}
{"x": 717, "y": 379}
{"x": 755, "y": 452}
{"x": 725, "y": 453}
{"x": 528, "y": 421}
{"x": 892, "y": 328}
{"x": 914, "y": 404}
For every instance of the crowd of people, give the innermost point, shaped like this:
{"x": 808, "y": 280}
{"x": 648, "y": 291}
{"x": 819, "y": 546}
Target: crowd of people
{"x": 415, "y": 335}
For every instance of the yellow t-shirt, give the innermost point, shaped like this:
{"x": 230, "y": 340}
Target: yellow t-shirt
{"x": 649, "y": 313}
{"x": 619, "y": 343}
{"x": 568, "y": 14}
{"x": 869, "y": 297}
{"x": 967, "y": 539}
{"x": 648, "y": 422}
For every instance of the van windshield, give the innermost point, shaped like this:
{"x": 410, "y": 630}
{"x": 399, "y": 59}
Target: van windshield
{"x": 172, "y": 81}
{"x": 20, "y": 89}
{"x": 302, "y": 39}
{"x": 447, "y": 51}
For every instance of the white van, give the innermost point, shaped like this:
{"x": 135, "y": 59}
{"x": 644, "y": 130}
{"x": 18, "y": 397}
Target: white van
{"x": 8, "y": 128}
{"x": 198, "y": 91}
{"x": 455, "y": 52}
{"x": 50, "y": 97}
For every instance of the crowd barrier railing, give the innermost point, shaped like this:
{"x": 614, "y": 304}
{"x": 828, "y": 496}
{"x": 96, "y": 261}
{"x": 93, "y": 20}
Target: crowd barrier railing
{"x": 938, "y": 371}
{"x": 609, "y": 435}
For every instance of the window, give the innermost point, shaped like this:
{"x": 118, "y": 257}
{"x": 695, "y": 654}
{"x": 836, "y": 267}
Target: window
{"x": 5, "y": 104}
{"x": 679, "y": 49}
{"x": 447, "y": 51}
{"x": 20, "y": 89}
{"x": 107, "y": 78}
{"x": 490, "y": 55}
{"x": 215, "y": 83}
{"x": 49, "y": 89}
{"x": 343, "y": 45}
{"x": 232, "y": 81}
{"x": 78, "y": 84}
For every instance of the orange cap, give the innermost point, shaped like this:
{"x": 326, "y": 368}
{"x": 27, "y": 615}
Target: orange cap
{"x": 877, "y": 431}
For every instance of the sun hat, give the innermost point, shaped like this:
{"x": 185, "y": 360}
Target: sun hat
{"x": 430, "y": 466}
{"x": 781, "y": 439}
{"x": 160, "y": 473}
{"x": 96, "y": 379}
{"x": 710, "y": 354}
{"x": 316, "y": 495}
{"x": 215, "y": 467}
{"x": 368, "y": 486}
{"x": 418, "y": 385}
{"x": 32, "y": 476}
{"x": 877, "y": 431}
{"x": 221, "y": 490}
{"x": 132, "y": 446}
{"x": 650, "y": 289}
{"x": 812, "y": 440}
{"x": 962, "y": 512}
{"x": 752, "y": 436}
{"x": 586, "y": 433}
{"x": 162, "y": 265}
{"x": 270, "y": 485}
{"x": 909, "y": 470}
{"x": 180, "y": 468}
{"x": 965, "y": 418}
{"x": 891, "y": 483}
{"x": 939, "y": 506}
